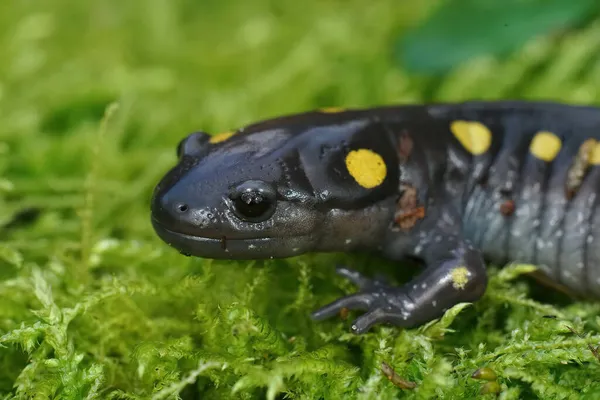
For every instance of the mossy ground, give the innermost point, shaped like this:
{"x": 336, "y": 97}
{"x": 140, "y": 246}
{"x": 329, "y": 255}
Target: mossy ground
{"x": 94, "y": 306}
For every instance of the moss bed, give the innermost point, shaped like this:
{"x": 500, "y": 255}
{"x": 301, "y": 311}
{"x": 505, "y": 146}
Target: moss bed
{"x": 94, "y": 97}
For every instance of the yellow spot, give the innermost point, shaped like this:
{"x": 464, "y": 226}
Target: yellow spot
{"x": 366, "y": 167}
{"x": 220, "y": 137}
{"x": 595, "y": 156}
{"x": 331, "y": 110}
{"x": 545, "y": 146}
{"x": 473, "y": 135}
{"x": 460, "y": 277}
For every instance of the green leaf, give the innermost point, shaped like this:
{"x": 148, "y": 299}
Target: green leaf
{"x": 438, "y": 328}
{"x": 11, "y": 255}
{"x": 513, "y": 271}
{"x": 461, "y": 30}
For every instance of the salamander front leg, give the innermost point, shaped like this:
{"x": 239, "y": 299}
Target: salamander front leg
{"x": 452, "y": 275}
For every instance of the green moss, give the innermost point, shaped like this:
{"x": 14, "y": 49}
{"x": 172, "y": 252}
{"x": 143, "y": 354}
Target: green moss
{"x": 95, "y": 306}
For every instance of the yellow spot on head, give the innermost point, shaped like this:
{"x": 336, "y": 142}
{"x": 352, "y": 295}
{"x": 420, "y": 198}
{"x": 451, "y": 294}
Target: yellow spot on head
{"x": 460, "y": 277}
{"x": 545, "y": 146}
{"x": 473, "y": 135}
{"x": 595, "y": 154}
{"x": 366, "y": 167}
{"x": 331, "y": 110}
{"x": 220, "y": 137}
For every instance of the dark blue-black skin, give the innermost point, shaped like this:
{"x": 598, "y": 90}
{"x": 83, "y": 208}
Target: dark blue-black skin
{"x": 280, "y": 188}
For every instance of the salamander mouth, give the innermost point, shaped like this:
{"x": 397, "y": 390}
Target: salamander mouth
{"x": 233, "y": 249}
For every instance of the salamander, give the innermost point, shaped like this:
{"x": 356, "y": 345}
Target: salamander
{"x": 453, "y": 186}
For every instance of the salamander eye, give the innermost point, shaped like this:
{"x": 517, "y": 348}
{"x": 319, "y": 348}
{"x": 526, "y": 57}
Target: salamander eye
{"x": 253, "y": 201}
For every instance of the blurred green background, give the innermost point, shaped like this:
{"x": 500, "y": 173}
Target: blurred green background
{"x": 94, "y": 306}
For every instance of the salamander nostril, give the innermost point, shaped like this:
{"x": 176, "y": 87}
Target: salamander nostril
{"x": 181, "y": 207}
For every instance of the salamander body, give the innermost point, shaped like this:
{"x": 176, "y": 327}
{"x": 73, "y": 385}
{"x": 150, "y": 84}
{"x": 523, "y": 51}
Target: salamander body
{"x": 453, "y": 185}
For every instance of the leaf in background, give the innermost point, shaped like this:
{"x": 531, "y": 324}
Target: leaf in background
{"x": 463, "y": 29}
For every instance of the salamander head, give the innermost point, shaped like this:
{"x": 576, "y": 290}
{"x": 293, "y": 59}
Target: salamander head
{"x": 267, "y": 192}
{"x": 233, "y": 200}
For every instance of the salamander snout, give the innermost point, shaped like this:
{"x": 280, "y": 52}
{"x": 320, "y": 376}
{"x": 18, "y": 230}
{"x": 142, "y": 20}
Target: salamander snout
{"x": 175, "y": 214}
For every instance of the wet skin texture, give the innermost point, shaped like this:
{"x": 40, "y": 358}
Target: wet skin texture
{"x": 449, "y": 184}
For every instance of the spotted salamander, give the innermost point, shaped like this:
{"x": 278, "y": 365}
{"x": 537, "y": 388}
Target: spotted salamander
{"x": 452, "y": 185}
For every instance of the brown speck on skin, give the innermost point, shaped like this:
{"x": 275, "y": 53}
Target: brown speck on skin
{"x": 224, "y": 243}
{"x": 344, "y": 313}
{"x": 407, "y": 211}
{"x": 405, "y": 147}
{"x": 408, "y": 219}
{"x": 389, "y": 373}
{"x": 507, "y": 208}
{"x": 579, "y": 167}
